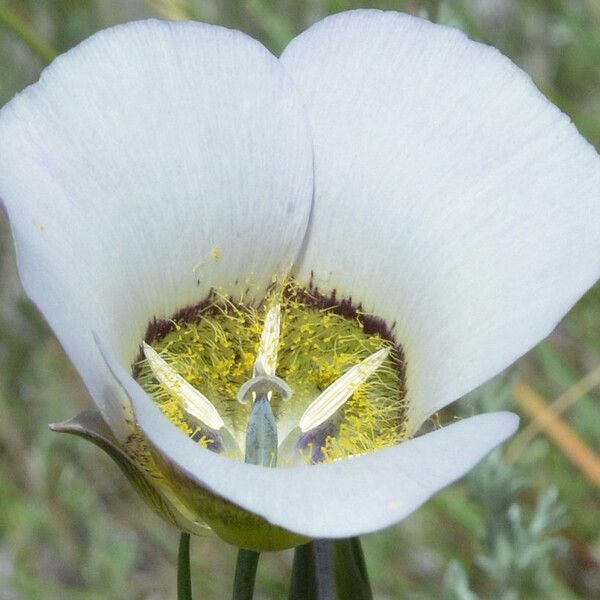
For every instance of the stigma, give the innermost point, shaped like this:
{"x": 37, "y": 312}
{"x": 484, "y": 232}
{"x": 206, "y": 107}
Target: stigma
{"x": 299, "y": 378}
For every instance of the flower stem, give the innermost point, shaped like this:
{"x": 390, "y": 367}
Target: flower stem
{"x": 245, "y": 574}
{"x": 21, "y": 29}
{"x": 330, "y": 570}
{"x": 184, "y": 581}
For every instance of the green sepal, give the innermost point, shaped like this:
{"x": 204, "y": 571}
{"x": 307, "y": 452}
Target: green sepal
{"x": 90, "y": 426}
{"x": 230, "y": 522}
{"x": 330, "y": 570}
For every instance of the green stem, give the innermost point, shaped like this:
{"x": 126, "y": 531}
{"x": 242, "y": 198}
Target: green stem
{"x": 21, "y": 29}
{"x": 358, "y": 557}
{"x": 245, "y": 574}
{"x": 184, "y": 580}
{"x": 330, "y": 570}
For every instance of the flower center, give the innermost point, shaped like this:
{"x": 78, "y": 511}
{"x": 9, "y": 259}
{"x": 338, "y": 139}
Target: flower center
{"x": 332, "y": 376}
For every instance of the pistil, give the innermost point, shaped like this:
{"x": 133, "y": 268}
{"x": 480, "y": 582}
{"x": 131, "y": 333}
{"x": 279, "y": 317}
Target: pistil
{"x": 261, "y": 434}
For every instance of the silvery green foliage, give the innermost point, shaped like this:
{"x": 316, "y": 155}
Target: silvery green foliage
{"x": 518, "y": 543}
{"x": 456, "y": 583}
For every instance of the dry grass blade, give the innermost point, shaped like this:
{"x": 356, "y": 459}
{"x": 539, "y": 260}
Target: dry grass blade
{"x": 571, "y": 445}
{"x": 558, "y": 407}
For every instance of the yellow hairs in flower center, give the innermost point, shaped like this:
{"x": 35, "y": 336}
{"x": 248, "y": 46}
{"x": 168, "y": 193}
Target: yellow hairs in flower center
{"x": 319, "y": 341}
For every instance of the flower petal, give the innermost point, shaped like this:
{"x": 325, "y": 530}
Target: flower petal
{"x": 451, "y": 198}
{"x": 151, "y": 163}
{"x": 334, "y": 500}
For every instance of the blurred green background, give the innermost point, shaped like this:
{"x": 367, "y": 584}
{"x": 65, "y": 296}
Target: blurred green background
{"x": 524, "y": 524}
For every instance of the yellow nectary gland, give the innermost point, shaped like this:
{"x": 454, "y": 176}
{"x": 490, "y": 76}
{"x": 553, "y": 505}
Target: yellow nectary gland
{"x": 215, "y": 353}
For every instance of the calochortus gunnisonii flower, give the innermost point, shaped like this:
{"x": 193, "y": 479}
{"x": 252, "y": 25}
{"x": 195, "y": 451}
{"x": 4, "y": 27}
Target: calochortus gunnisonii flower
{"x": 325, "y": 248}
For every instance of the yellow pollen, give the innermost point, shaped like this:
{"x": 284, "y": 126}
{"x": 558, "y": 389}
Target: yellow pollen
{"x": 346, "y": 379}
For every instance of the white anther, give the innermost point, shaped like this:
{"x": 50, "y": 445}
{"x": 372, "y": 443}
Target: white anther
{"x": 192, "y": 401}
{"x": 269, "y": 341}
{"x": 336, "y": 394}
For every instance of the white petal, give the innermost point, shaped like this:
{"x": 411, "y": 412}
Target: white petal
{"x": 451, "y": 197}
{"x": 340, "y": 499}
{"x": 154, "y": 161}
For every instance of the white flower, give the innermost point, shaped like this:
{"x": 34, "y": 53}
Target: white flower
{"x": 390, "y": 160}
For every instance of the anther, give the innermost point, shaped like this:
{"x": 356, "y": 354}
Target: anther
{"x": 339, "y": 392}
{"x": 269, "y": 341}
{"x": 192, "y": 401}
